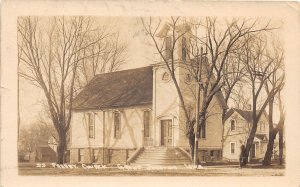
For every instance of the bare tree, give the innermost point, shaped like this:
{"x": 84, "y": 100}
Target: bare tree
{"x": 233, "y": 74}
{"x": 221, "y": 39}
{"x": 260, "y": 68}
{"x": 50, "y": 58}
{"x": 278, "y": 58}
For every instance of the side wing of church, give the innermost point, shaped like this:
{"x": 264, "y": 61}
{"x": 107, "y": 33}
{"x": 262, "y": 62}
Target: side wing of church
{"x": 134, "y": 116}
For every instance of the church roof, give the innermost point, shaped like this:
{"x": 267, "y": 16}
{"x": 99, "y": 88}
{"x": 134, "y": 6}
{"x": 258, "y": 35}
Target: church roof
{"x": 117, "y": 89}
{"x": 121, "y": 89}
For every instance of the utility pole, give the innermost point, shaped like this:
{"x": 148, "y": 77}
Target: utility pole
{"x": 198, "y": 89}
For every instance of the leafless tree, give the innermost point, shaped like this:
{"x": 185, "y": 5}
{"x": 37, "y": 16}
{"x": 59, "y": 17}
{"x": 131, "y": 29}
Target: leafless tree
{"x": 51, "y": 55}
{"x": 233, "y": 74}
{"x": 221, "y": 39}
{"x": 278, "y": 58}
{"x": 261, "y": 67}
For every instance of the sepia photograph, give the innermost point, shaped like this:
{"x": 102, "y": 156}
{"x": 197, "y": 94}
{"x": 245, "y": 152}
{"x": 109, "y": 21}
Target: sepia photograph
{"x": 156, "y": 95}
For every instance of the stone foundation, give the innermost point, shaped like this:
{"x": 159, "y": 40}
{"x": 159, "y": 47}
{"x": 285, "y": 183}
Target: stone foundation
{"x": 100, "y": 155}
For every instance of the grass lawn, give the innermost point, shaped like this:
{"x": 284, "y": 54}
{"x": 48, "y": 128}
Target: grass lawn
{"x": 227, "y": 170}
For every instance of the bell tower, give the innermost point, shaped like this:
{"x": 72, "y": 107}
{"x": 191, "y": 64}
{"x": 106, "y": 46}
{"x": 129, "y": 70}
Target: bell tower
{"x": 181, "y": 34}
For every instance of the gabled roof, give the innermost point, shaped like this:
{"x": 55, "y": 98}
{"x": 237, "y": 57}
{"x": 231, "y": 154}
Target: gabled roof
{"x": 117, "y": 89}
{"x": 246, "y": 114}
{"x": 262, "y": 137}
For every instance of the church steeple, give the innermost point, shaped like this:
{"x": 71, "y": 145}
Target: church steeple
{"x": 182, "y": 36}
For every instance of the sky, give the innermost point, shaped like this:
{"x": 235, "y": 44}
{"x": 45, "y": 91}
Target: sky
{"x": 139, "y": 55}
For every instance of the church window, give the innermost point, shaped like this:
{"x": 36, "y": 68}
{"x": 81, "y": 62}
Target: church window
{"x": 117, "y": 125}
{"x": 90, "y": 117}
{"x": 168, "y": 47}
{"x": 146, "y": 123}
{"x": 166, "y": 76}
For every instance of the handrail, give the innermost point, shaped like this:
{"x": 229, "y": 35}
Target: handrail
{"x": 135, "y": 154}
{"x": 186, "y": 153}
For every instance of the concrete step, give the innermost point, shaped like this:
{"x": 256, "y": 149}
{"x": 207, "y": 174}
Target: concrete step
{"x": 162, "y": 161}
{"x": 161, "y": 156}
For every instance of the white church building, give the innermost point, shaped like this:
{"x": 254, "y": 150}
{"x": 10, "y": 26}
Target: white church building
{"x": 134, "y": 116}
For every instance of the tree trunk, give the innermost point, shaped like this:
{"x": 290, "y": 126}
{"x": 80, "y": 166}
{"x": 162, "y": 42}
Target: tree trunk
{"x": 268, "y": 155}
{"x": 197, "y": 136}
{"x": 281, "y": 146}
{"x": 272, "y": 135}
{"x": 250, "y": 140}
{"x": 223, "y": 128}
{"x": 61, "y": 148}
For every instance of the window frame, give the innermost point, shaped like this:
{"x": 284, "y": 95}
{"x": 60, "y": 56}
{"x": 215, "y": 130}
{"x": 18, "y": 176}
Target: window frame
{"x": 234, "y": 123}
{"x": 203, "y": 133}
{"x": 166, "y": 77}
{"x": 117, "y": 131}
{"x": 168, "y": 52}
{"x": 91, "y": 123}
{"x": 234, "y": 147}
{"x": 146, "y": 123}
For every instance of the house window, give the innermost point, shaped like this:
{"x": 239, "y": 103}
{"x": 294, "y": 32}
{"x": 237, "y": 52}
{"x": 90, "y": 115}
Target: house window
{"x": 91, "y": 124}
{"x": 146, "y": 123}
{"x": 211, "y": 153}
{"x": 183, "y": 49}
{"x": 232, "y": 125}
{"x": 117, "y": 125}
{"x": 168, "y": 47}
{"x": 232, "y": 148}
{"x": 80, "y": 155}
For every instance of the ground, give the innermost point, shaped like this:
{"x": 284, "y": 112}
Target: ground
{"x": 224, "y": 170}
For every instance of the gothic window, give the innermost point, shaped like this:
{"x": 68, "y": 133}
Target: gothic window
{"x": 168, "y": 47}
{"x": 117, "y": 125}
{"x": 146, "y": 123}
{"x": 91, "y": 124}
{"x": 166, "y": 76}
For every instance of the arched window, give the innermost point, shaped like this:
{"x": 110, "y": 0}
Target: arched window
{"x": 117, "y": 125}
{"x": 146, "y": 123}
{"x": 168, "y": 47}
{"x": 90, "y": 119}
{"x": 233, "y": 125}
{"x": 166, "y": 76}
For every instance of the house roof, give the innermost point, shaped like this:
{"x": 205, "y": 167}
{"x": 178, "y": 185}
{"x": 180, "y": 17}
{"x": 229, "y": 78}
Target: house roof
{"x": 117, "y": 89}
{"x": 46, "y": 150}
{"x": 246, "y": 114}
{"x": 261, "y": 137}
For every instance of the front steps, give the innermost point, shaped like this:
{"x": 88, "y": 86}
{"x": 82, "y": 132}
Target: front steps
{"x": 165, "y": 156}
